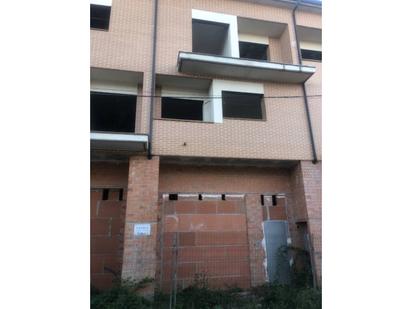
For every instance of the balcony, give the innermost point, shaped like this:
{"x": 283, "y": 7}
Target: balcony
{"x": 235, "y": 47}
{"x": 231, "y": 67}
{"x": 113, "y": 114}
{"x": 119, "y": 142}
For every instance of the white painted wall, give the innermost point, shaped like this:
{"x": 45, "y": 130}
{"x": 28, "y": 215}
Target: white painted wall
{"x": 231, "y": 48}
{"x": 113, "y": 87}
{"x": 179, "y": 92}
{"x": 101, "y": 2}
{"x": 252, "y": 38}
{"x": 310, "y": 45}
{"x": 219, "y": 85}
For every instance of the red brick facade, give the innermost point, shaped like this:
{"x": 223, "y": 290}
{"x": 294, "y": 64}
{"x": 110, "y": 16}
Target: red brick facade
{"x": 207, "y": 230}
{"x": 107, "y": 218}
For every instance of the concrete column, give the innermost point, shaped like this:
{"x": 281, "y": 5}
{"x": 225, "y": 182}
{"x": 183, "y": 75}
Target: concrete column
{"x": 139, "y": 258}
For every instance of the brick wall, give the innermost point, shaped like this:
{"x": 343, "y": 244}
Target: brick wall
{"x": 108, "y": 175}
{"x": 139, "y": 259}
{"x": 255, "y": 237}
{"x": 214, "y": 179}
{"x": 232, "y": 138}
{"x": 211, "y": 240}
{"x": 314, "y": 88}
{"x": 107, "y": 222}
{"x": 284, "y": 135}
{"x": 106, "y": 239}
{"x": 312, "y": 178}
{"x": 127, "y": 46}
{"x": 249, "y": 180}
{"x": 306, "y": 185}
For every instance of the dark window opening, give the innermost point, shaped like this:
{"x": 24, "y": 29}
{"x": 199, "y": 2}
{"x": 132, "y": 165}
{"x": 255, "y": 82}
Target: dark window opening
{"x": 311, "y": 54}
{"x": 208, "y": 37}
{"x": 223, "y": 197}
{"x": 242, "y": 105}
{"x": 112, "y": 112}
{"x": 173, "y": 197}
{"x": 200, "y": 197}
{"x": 253, "y": 51}
{"x": 274, "y": 200}
{"x": 99, "y": 16}
{"x": 182, "y": 109}
{"x": 105, "y": 194}
{"x": 121, "y": 195}
{"x": 262, "y": 200}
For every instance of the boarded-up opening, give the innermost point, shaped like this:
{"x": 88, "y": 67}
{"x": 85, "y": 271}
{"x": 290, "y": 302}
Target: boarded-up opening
{"x": 204, "y": 238}
{"x": 107, "y": 215}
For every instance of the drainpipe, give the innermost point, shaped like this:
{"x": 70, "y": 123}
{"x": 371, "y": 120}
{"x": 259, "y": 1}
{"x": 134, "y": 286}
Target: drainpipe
{"x": 305, "y": 98}
{"x": 153, "y": 85}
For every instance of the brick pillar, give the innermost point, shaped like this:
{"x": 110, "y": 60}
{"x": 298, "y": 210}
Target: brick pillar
{"x": 255, "y": 237}
{"x": 139, "y": 258}
{"x": 307, "y": 205}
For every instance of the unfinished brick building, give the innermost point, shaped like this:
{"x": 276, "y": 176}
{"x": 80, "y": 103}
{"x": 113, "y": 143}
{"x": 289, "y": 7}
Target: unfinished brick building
{"x": 205, "y": 138}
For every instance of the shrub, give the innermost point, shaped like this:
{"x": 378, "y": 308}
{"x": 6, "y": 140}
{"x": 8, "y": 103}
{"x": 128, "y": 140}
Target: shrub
{"x": 287, "y": 297}
{"x": 122, "y": 295}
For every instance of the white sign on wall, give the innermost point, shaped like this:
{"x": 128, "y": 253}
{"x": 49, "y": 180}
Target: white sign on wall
{"x": 142, "y": 229}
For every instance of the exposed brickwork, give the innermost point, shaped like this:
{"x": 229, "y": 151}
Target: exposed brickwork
{"x": 189, "y": 178}
{"x": 106, "y": 242}
{"x": 308, "y": 19}
{"x": 284, "y": 135}
{"x": 306, "y": 184}
{"x": 139, "y": 259}
{"x": 211, "y": 240}
{"x": 255, "y": 236}
{"x": 127, "y": 46}
{"x": 312, "y": 178}
{"x": 186, "y": 178}
{"x": 106, "y": 222}
{"x": 314, "y": 88}
{"x": 108, "y": 175}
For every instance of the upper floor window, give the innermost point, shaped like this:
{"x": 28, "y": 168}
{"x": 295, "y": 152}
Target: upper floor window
{"x": 112, "y": 112}
{"x": 251, "y": 50}
{"x": 310, "y": 41}
{"x": 209, "y": 37}
{"x": 311, "y": 54}
{"x": 242, "y": 105}
{"x": 176, "y": 108}
{"x": 100, "y": 14}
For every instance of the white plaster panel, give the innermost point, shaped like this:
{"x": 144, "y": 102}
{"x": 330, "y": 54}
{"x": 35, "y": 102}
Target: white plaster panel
{"x": 219, "y": 85}
{"x": 113, "y": 87}
{"x": 253, "y": 38}
{"x": 310, "y": 45}
{"x": 101, "y": 2}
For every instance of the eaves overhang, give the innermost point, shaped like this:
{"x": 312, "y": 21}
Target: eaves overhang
{"x": 121, "y": 142}
{"x": 221, "y": 66}
{"x": 307, "y": 5}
